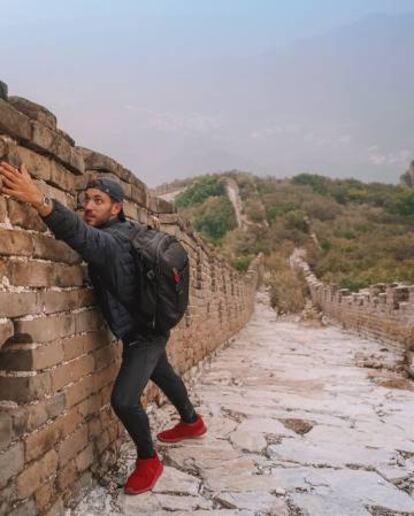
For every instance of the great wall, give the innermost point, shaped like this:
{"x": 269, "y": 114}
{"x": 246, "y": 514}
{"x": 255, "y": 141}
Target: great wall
{"x": 296, "y": 413}
{"x": 58, "y": 360}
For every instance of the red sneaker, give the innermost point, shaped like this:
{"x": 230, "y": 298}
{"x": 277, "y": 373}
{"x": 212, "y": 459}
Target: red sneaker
{"x": 145, "y": 476}
{"x": 183, "y": 431}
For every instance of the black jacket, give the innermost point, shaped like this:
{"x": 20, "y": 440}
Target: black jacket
{"x": 110, "y": 260}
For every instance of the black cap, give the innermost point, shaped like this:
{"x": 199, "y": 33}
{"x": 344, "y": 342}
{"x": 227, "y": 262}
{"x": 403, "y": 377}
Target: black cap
{"x": 110, "y": 187}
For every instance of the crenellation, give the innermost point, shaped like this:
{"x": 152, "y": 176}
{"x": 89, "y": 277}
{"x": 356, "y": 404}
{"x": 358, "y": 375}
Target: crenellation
{"x": 384, "y": 311}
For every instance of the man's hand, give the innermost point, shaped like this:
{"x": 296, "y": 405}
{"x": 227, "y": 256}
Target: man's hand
{"x": 19, "y": 185}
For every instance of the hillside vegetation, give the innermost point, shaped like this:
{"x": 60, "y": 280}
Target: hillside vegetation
{"x": 365, "y": 231}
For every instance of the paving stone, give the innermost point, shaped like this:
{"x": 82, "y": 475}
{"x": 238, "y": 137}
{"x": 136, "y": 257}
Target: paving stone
{"x": 251, "y": 501}
{"x": 354, "y": 453}
{"x": 176, "y": 481}
{"x": 248, "y": 441}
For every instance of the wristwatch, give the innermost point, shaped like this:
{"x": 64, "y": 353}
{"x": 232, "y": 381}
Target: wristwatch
{"x": 46, "y": 201}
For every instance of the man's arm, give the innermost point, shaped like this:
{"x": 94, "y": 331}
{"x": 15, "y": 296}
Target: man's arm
{"x": 94, "y": 245}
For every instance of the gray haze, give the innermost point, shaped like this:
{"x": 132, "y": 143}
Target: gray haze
{"x": 338, "y": 104}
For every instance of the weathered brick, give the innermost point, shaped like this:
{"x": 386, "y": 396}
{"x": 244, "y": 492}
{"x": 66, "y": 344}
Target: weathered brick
{"x": 6, "y": 429}
{"x": 16, "y": 243}
{"x": 34, "y": 475}
{"x": 85, "y": 458}
{"x": 14, "y": 123}
{"x": 45, "y": 329}
{"x": 73, "y": 347}
{"x": 94, "y": 340}
{"x": 6, "y": 330}
{"x": 96, "y": 161}
{"x": 51, "y": 301}
{"x": 31, "y": 359}
{"x": 90, "y": 405}
{"x": 105, "y": 356}
{"x": 23, "y": 389}
{"x": 63, "y": 179}
{"x": 37, "y": 165}
{"x": 89, "y": 320}
{"x": 25, "y": 216}
{"x": 71, "y": 420}
{"x": 53, "y": 143}
{"x": 16, "y": 304}
{"x": 64, "y": 198}
{"x": 67, "y": 475}
{"x": 73, "y": 444}
{"x": 57, "y": 509}
{"x": 41, "y": 274}
{"x": 30, "y": 418}
{"x": 95, "y": 427}
{"x": 41, "y": 441}
{"x": 3, "y": 209}
{"x": 72, "y": 371}
{"x": 44, "y": 495}
{"x": 34, "y": 111}
{"x": 79, "y": 391}
{"x": 26, "y": 508}
{"x": 51, "y": 249}
{"x": 6, "y": 499}
{"x": 11, "y": 463}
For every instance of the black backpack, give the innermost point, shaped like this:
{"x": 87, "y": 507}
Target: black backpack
{"x": 163, "y": 278}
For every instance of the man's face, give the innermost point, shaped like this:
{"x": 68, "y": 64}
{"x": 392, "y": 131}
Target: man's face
{"x": 99, "y": 207}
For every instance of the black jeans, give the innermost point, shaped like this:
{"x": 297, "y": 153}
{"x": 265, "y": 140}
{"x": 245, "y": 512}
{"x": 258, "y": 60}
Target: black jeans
{"x": 144, "y": 358}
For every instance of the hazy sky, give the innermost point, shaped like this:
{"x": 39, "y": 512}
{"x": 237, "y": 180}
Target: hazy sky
{"x": 176, "y": 88}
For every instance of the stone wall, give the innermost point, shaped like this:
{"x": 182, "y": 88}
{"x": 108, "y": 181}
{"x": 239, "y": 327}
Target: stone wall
{"x": 57, "y": 358}
{"x": 383, "y": 311}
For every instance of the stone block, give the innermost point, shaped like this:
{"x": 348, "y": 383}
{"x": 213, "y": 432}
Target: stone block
{"x": 45, "y": 329}
{"x": 11, "y": 463}
{"x": 23, "y": 215}
{"x": 3, "y": 209}
{"x": 22, "y": 389}
{"x": 56, "y": 250}
{"x": 26, "y": 508}
{"x": 73, "y": 444}
{"x": 33, "y": 359}
{"x": 44, "y": 495}
{"x": 6, "y": 430}
{"x": 72, "y": 371}
{"x": 14, "y": 123}
{"x": 97, "y": 161}
{"x": 6, "y": 330}
{"x": 67, "y": 475}
{"x": 51, "y": 142}
{"x": 41, "y": 274}
{"x": 51, "y": 301}
{"x": 79, "y": 391}
{"x": 3, "y": 90}
{"x": 16, "y": 243}
{"x": 40, "y": 442}
{"x": 34, "y": 475}
{"x": 34, "y": 111}
{"x": 17, "y": 304}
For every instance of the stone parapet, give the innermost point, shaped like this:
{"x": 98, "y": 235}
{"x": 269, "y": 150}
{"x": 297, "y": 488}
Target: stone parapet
{"x": 58, "y": 360}
{"x": 383, "y": 311}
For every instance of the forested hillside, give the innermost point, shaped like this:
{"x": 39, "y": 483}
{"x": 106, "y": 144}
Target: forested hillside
{"x": 364, "y": 231}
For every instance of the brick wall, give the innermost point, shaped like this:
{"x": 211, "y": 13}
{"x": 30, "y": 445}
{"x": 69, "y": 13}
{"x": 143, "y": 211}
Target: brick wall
{"x": 383, "y": 311}
{"x": 57, "y": 358}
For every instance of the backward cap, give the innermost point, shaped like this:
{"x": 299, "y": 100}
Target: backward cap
{"x": 110, "y": 187}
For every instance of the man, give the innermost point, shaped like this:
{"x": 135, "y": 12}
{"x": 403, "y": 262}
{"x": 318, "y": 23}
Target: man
{"x": 101, "y": 238}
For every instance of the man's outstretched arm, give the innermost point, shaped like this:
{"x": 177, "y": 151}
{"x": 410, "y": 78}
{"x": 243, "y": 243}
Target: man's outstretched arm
{"x": 95, "y": 246}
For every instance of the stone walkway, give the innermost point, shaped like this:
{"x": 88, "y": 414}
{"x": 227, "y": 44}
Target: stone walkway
{"x": 302, "y": 421}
